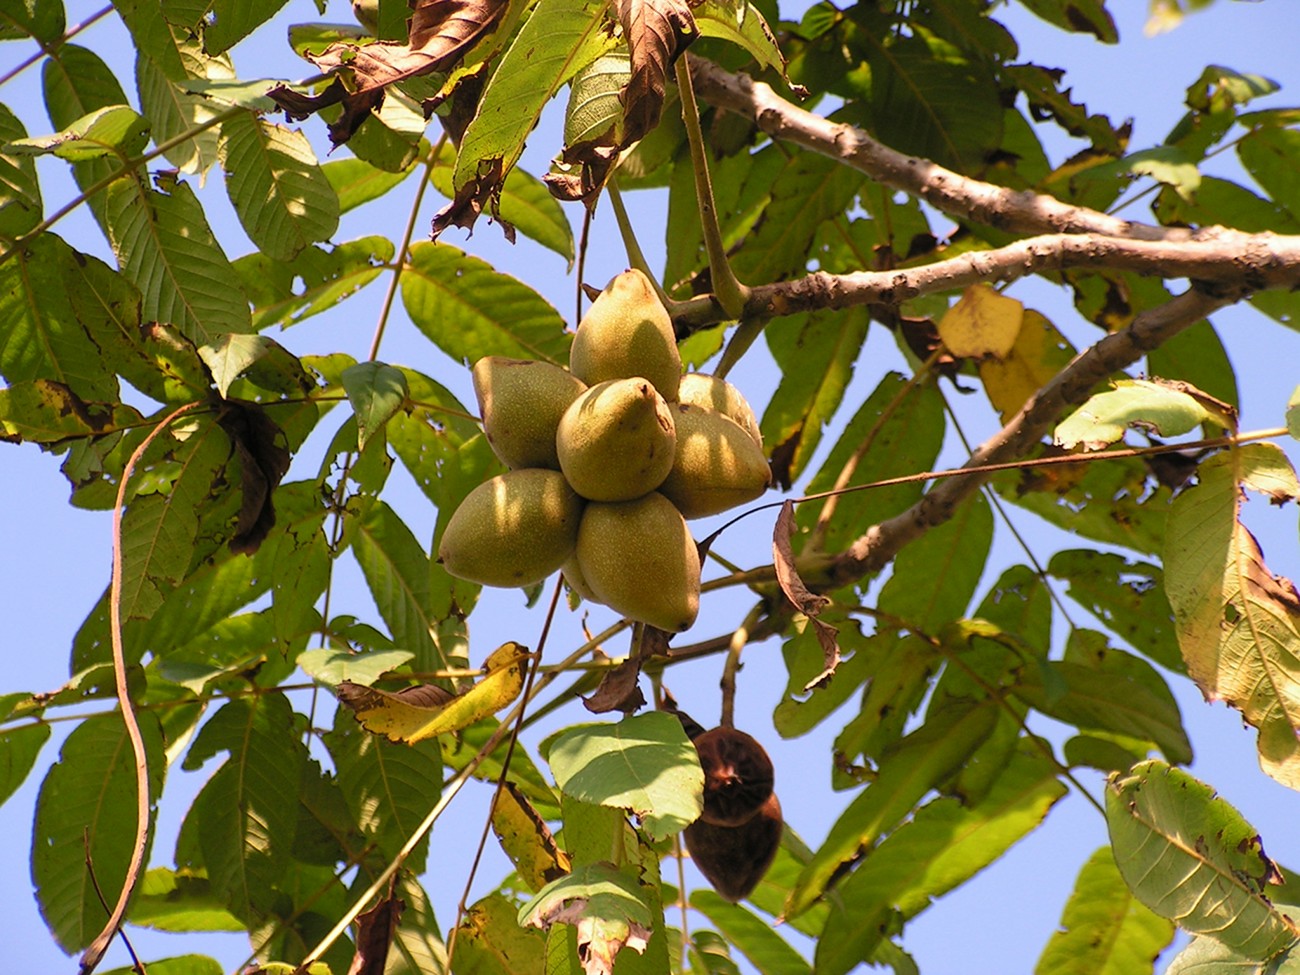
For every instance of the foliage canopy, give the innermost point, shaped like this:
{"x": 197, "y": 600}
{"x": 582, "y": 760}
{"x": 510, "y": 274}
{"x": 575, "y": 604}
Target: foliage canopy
{"x": 835, "y": 178}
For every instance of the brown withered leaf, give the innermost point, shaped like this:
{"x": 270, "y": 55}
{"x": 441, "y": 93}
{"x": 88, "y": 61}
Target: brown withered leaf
{"x": 441, "y": 32}
{"x": 357, "y": 107}
{"x": 263, "y": 461}
{"x": 484, "y": 190}
{"x": 375, "y": 930}
{"x": 657, "y": 32}
{"x": 807, "y": 602}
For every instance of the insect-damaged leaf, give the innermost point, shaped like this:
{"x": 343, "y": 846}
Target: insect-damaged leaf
{"x": 606, "y": 907}
{"x": 526, "y": 839}
{"x": 417, "y": 713}
{"x": 807, "y": 602}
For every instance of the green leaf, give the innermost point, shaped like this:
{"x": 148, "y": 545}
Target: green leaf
{"x": 558, "y": 40}
{"x": 327, "y": 276}
{"x": 810, "y": 190}
{"x": 230, "y": 356}
{"x": 332, "y": 667}
{"x": 180, "y": 965}
{"x": 816, "y": 354}
{"x": 1104, "y": 930}
{"x": 904, "y": 438}
{"x": 167, "y": 900}
{"x": 1117, "y": 502}
{"x": 20, "y": 191}
{"x": 1189, "y": 856}
{"x": 233, "y": 20}
{"x": 176, "y": 111}
{"x": 526, "y": 204}
{"x": 919, "y": 763}
{"x": 117, "y": 130}
{"x": 376, "y": 392}
{"x": 1206, "y": 955}
{"x": 644, "y": 763}
{"x": 355, "y": 181}
{"x": 41, "y": 20}
{"x": 945, "y": 844}
{"x": 389, "y": 786}
{"x": 165, "y": 246}
{"x": 1238, "y": 625}
{"x": 162, "y": 520}
{"x": 397, "y": 570}
{"x": 489, "y": 940}
{"x": 597, "y": 898}
{"x": 283, "y": 200}
{"x": 767, "y": 951}
{"x": 740, "y": 22}
{"x": 392, "y": 135}
{"x": 1084, "y": 16}
{"x": 45, "y": 310}
{"x": 1118, "y": 693}
{"x": 1196, "y": 356}
{"x": 245, "y": 817}
{"x": 469, "y": 310}
{"x": 1269, "y": 154}
{"x": 1127, "y": 596}
{"x": 19, "y": 748}
{"x": 1164, "y": 408}
{"x": 87, "y": 807}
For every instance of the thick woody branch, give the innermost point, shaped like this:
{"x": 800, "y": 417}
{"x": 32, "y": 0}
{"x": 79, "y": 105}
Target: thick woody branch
{"x": 1225, "y": 259}
{"x": 1022, "y": 211}
{"x": 874, "y": 549}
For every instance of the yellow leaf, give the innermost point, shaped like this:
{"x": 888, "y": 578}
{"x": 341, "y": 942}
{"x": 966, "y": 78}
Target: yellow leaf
{"x": 417, "y": 713}
{"x": 981, "y": 323}
{"x": 1039, "y": 353}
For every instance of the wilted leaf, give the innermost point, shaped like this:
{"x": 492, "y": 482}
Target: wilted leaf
{"x": 1238, "y": 625}
{"x": 804, "y": 600}
{"x": 440, "y": 32}
{"x": 375, "y": 929}
{"x": 981, "y": 323}
{"x": 526, "y": 839}
{"x": 1039, "y": 353}
{"x": 620, "y": 688}
{"x": 1191, "y": 857}
{"x": 418, "y": 713}
{"x": 263, "y": 461}
{"x": 490, "y": 941}
{"x": 605, "y": 906}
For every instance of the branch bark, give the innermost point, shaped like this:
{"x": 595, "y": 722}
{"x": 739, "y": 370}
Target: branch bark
{"x": 1022, "y": 211}
{"x": 879, "y": 544}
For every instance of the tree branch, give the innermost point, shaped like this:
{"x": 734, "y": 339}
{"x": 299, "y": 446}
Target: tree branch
{"x": 1022, "y": 211}
{"x": 1238, "y": 262}
{"x": 873, "y": 550}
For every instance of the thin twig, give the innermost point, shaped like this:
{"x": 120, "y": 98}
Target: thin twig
{"x": 45, "y": 49}
{"x": 136, "y": 963}
{"x": 95, "y": 953}
{"x": 463, "y": 905}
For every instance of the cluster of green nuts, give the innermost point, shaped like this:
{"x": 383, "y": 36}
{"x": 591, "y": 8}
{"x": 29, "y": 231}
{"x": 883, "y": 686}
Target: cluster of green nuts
{"x": 607, "y": 459}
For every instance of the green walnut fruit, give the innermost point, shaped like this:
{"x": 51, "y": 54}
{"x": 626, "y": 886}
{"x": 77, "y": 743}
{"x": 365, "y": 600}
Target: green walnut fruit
{"x": 521, "y": 402}
{"x": 573, "y": 578}
{"x": 616, "y": 441}
{"x": 513, "y": 530}
{"x": 717, "y": 464}
{"x": 638, "y": 558}
{"x": 718, "y": 395}
{"x": 627, "y": 332}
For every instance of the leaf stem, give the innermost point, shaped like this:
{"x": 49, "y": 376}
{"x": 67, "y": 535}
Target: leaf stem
{"x": 635, "y": 256}
{"x": 45, "y": 49}
{"x": 731, "y": 294}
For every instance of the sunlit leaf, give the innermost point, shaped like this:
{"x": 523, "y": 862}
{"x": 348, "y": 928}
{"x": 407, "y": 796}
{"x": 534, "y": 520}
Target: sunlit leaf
{"x": 410, "y": 716}
{"x": 1190, "y": 857}
{"x": 981, "y": 323}
{"x": 1104, "y": 930}
{"x": 1238, "y": 624}
{"x": 1038, "y": 354}
{"x": 283, "y": 200}
{"x": 20, "y": 191}
{"x": 168, "y": 900}
{"x": 605, "y": 907}
{"x": 1166, "y": 408}
{"x": 494, "y": 943}
{"x": 114, "y": 131}
{"x": 527, "y": 840}
{"x": 644, "y": 763}
{"x": 376, "y": 391}
{"x": 332, "y": 667}
{"x": 767, "y": 951}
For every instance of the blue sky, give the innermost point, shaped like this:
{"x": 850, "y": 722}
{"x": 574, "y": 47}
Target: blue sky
{"x": 54, "y": 560}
